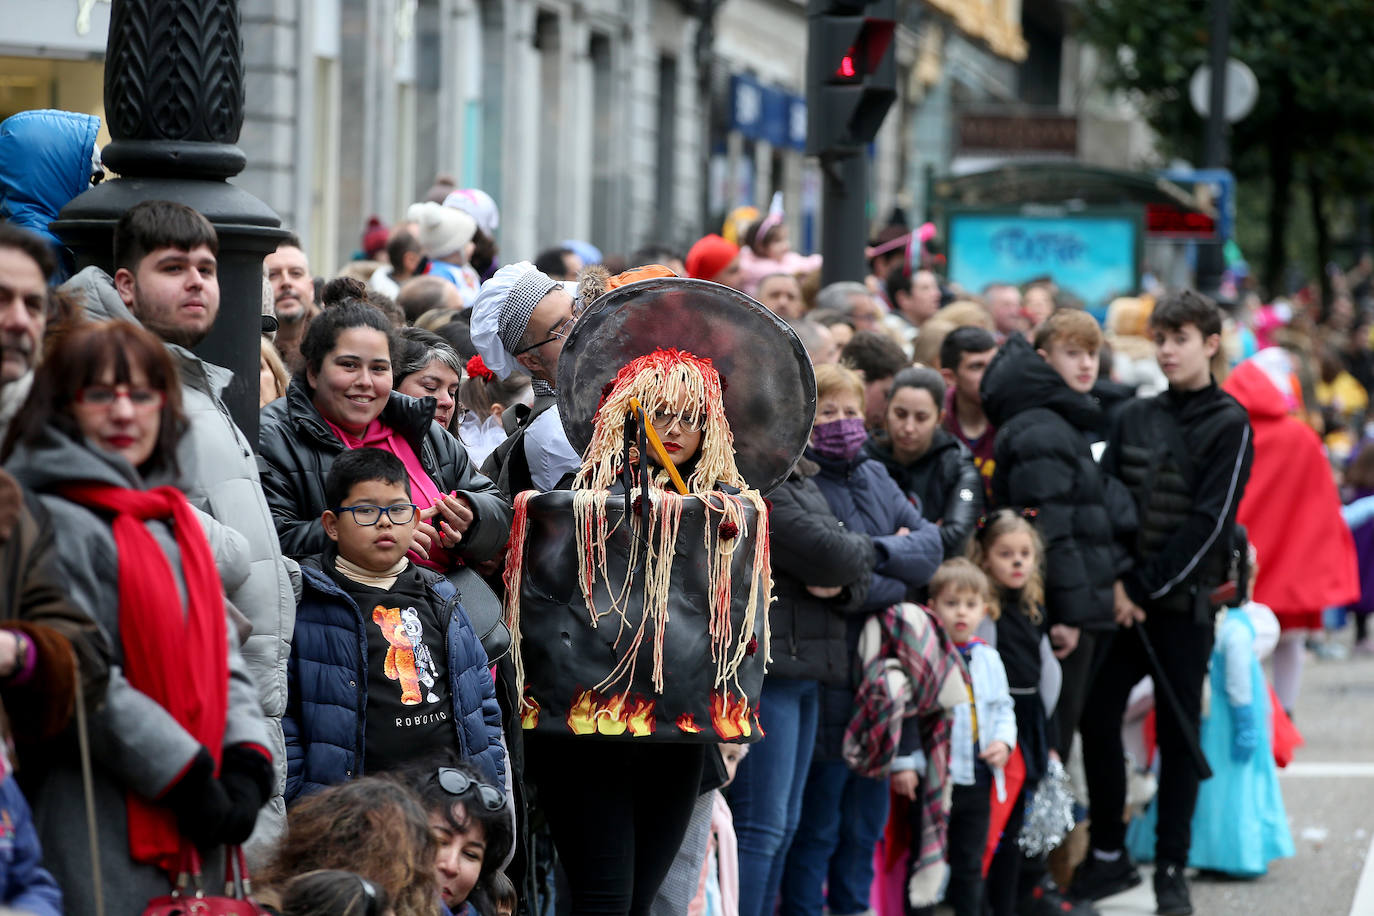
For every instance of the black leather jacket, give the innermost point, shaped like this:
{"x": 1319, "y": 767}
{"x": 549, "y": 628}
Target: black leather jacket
{"x": 296, "y": 449}
{"x": 944, "y": 484}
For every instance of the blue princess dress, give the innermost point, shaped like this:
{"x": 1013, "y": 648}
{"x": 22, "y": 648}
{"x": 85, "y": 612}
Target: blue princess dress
{"x": 1239, "y": 825}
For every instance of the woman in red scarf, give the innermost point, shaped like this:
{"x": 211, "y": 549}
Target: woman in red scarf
{"x": 179, "y": 745}
{"x": 343, "y": 399}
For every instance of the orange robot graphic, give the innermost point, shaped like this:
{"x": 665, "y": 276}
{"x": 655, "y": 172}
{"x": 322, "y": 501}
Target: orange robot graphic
{"x": 400, "y": 657}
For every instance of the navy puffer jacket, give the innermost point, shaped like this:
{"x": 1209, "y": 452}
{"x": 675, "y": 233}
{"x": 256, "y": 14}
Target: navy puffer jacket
{"x": 326, "y": 707}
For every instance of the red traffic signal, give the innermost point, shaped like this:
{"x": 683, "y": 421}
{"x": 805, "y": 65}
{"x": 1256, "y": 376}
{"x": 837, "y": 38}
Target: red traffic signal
{"x": 1174, "y": 222}
{"x": 851, "y": 72}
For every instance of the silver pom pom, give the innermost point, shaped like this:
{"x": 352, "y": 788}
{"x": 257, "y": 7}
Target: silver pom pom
{"x": 1049, "y": 816}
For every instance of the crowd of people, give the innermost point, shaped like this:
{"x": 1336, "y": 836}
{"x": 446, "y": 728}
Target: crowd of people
{"x": 292, "y": 654}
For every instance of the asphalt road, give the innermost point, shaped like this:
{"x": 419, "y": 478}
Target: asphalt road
{"x": 1329, "y": 795}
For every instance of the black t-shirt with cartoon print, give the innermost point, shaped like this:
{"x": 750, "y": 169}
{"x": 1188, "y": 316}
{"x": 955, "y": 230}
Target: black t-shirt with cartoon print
{"x": 409, "y": 712}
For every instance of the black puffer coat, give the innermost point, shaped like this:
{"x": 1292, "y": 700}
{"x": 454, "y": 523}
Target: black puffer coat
{"x": 812, "y": 547}
{"x": 296, "y": 449}
{"x": 1044, "y": 462}
{"x": 943, "y": 483}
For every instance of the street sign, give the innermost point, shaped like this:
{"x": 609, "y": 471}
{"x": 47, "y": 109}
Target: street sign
{"x": 1242, "y": 90}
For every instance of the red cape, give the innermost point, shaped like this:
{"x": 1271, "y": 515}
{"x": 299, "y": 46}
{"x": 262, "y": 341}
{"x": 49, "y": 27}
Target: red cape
{"x": 1292, "y": 511}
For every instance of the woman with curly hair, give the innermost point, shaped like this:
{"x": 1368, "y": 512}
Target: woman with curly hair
{"x": 373, "y": 827}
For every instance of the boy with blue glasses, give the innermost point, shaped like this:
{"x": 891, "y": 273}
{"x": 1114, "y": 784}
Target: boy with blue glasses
{"x": 385, "y": 666}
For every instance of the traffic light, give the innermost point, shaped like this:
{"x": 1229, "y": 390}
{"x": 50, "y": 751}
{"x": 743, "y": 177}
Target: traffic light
{"x": 851, "y": 73}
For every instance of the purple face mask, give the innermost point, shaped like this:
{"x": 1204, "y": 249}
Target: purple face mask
{"x": 839, "y": 439}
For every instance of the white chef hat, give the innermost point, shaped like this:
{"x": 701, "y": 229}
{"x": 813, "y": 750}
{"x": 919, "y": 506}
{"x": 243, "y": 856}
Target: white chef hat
{"x": 502, "y": 311}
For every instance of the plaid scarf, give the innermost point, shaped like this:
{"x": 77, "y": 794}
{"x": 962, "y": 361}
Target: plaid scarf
{"x": 910, "y": 669}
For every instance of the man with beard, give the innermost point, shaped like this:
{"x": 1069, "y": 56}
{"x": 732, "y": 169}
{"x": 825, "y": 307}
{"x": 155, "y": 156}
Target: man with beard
{"x": 167, "y": 279}
{"x": 293, "y": 289}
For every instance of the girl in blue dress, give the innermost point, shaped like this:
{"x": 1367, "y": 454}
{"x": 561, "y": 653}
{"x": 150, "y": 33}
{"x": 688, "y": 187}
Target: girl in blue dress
{"x": 1239, "y": 824}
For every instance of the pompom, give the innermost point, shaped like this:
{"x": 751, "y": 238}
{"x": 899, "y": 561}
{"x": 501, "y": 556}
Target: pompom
{"x": 753, "y": 646}
{"x": 476, "y": 368}
{"x": 637, "y": 505}
{"x": 728, "y": 530}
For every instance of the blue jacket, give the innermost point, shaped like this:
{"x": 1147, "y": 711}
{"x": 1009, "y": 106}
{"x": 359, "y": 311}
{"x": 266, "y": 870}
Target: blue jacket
{"x": 325, "y": 721}
{"x": 45, "y": 161}
{"x": 24, "y": 884}
{"x": 866, "y": 500}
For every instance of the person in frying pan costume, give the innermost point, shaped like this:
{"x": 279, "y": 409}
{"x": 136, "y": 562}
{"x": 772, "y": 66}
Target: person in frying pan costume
{"x": 638, "y": 601}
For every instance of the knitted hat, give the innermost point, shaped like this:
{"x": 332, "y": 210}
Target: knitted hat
{"x": 709, "y": 256}
{"x": 375, "y": 237}
{"x": 443, "y": 230}
{"x": 478, "y": 204}
{"x": 502, "y": 311}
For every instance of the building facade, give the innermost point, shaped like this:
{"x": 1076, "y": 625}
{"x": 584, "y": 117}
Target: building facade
{"x": 581, "y": 118}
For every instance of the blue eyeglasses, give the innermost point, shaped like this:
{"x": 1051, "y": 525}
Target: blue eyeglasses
{"x": 367, "y": 516}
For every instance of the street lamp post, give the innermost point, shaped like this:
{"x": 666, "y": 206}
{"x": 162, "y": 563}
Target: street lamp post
{"x": 1210, "y": 260}
{"x": 174, "y": 101}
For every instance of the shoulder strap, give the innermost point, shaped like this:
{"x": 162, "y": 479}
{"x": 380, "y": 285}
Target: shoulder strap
{"x": 507, "y": 466}
{"x": 88, "y": 789}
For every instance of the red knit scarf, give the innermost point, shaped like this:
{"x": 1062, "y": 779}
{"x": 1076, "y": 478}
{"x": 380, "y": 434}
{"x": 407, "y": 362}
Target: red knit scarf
{"x": 179, "y": 659}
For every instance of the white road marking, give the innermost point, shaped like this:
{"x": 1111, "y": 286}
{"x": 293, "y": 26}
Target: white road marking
{"x": 1309, "y": 770}
{"x": 1363, "y": 904}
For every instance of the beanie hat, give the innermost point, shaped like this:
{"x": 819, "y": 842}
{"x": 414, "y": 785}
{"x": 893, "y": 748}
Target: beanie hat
{"x": 709, "y": 256}
{"x": 443, "y": 230}
{"x": 375, "y": 236}
{"x": 478, "y": 204}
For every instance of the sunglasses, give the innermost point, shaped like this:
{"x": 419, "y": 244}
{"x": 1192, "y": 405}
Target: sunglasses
{"x": 456, "y": 782}
{"x": 373, "y": 904}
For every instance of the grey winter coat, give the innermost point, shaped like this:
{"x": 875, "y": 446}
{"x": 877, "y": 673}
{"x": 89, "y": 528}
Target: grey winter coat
{"x": 136, "y": 745}
{"x": 219, "y": 475}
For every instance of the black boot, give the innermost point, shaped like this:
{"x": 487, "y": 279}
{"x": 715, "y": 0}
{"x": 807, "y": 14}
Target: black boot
{"x": 1097, "y": 878}
{"x": 1171, "y": 891}
{"x": 1045, "y": 899}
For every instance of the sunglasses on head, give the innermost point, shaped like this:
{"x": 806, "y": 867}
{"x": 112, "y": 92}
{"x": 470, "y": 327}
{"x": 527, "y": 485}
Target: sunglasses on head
{"x": 370, "y": 891}
{"x": 456, "y": 782}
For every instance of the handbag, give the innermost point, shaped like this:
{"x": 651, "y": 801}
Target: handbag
{"x": 188, "y": 897}
{"x": 184, "y": 900}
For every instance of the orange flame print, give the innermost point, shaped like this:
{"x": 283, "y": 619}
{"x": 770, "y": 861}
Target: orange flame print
{"x": 611, "y": 717}
{"x": 529, "y": 713}
{"x": 641, "y": 719}
{"x": 687, "y": 724}
{"x": 590, "y": 713}
{"x": 581, "y": 717}
{"x": 730, "y": 717}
